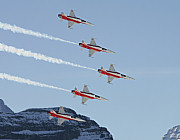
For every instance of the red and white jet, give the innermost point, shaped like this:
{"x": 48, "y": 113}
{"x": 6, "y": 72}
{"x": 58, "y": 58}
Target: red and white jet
{"x": 72, "y": 19}
{"x": 111, "y": 73}
{"x": 62, "y": 116}
{"x": 93, "y": 47}
{"x": 85, "y": 94}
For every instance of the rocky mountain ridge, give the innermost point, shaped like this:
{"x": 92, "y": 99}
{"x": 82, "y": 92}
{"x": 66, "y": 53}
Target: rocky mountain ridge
{"x": 35, "y": 124}
{"x": 4, "y": 108}
{"x": 173, "y": 134}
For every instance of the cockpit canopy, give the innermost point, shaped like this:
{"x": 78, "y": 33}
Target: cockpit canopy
{"x": 97, "y": 96}
{"x": 123, "y": 75}
{"x": 83, "y": 20}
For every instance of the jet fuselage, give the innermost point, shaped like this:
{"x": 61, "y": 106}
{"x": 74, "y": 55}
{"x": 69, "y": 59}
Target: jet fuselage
{"x": 88, "y": 95}
{"x": 110, "y": 73}
{"x": 114, "y": 74}
{"x": 95, "y": 48}
{"x": 63, "y": 116}
{"x": 73, "y": 19}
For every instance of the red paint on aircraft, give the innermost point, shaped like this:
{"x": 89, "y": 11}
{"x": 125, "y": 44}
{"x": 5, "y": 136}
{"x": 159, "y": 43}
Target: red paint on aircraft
{"x": 60, "y": 116}
{"x": 87, "y": 46}
{"x": 109, "y": 73}
{"x": 80, "y": 93}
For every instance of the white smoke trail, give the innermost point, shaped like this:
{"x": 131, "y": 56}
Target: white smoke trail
{"x": 27, "y": 81}
{"x": 37, "y": 56}
{"x": 16, "y": 29}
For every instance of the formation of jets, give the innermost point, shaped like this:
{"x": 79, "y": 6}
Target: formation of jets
{"x": 85, "y": 94}
{"x": 62, "y": 116}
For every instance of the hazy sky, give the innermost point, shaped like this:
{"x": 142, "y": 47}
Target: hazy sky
{"x": 146, "y": 38}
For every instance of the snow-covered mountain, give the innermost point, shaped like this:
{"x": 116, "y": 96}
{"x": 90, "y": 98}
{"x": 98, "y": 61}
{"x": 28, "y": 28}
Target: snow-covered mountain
{"x": 173, "y": 133}
{"x": 4, "y": 108}
{"x": 35, "y": 124}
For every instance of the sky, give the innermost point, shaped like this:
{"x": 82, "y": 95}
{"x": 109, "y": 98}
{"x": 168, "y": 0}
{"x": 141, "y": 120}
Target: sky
{"x": 145, "y": 36}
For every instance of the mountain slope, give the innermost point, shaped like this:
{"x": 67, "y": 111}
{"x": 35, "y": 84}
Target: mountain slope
{"x": 173, "y": 133}
{"x": 35, "y": 124}
{"x": 4, "y": 108}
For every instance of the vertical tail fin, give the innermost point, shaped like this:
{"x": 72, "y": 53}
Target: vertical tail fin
{"x": 63, "y": 14}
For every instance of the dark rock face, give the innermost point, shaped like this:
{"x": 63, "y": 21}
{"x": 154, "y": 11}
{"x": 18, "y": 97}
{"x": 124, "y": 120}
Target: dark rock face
{"x": 35, "y": 124}
{"x": 173, "y": 133}
{"x": 4, "y": 108}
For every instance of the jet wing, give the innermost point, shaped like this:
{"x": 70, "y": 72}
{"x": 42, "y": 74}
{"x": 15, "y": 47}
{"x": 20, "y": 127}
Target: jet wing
{"x": 93, "y": 42}
{"x": 60, "y": 121}
{"x": 91, "y": 52}
{"x": 86, "y": 89}
{"x": 111, "y": 68}
{"x": 84, "y": 99}
{"x": 70, "y": 24}
{"x": 72, "y": 14}
{"x": 61, "y": 110}
{"x": 110, "y": 78}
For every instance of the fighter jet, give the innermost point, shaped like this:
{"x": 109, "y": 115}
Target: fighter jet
{"x": 72, "y": 19}
{"x": 62, "y": 116}
{"x": 85, "y": 94}
{"x": 111, "y": 73}
{"x": 93, "y": 47}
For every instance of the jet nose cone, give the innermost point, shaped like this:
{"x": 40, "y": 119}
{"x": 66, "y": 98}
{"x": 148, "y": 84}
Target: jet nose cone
{"x": 80, "y": 44}
{"x": 109, "y": 51}
{"x": 130, "y": 78}
{"x": 90, "y": 23}
{"x": 81, "y": 120}
{"x": 104, "y": 99}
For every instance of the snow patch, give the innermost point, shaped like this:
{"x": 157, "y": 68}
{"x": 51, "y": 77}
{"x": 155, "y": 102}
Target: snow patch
{"x": 28, "y": 132}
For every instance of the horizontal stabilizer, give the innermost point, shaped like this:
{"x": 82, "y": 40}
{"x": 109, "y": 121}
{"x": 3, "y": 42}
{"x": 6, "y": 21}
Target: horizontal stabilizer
{"x": 50, "y": 117}
{"x": 52, "y": 111}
